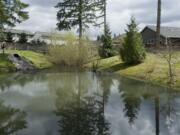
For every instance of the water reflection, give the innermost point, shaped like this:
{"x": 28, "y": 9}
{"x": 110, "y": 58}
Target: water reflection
{"x": 131, "y": 95}
{"x": 8, "y": 80}
{"x": 72, "y": 103}
{"x": 82, "y": 114}
{"x": 135, "y": 93}
{"x": 11, "y": 120}
{"x": 156, "y": 101}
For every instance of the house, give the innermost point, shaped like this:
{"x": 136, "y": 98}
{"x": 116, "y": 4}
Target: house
{"x": 167, "y": 35}
{"x": 54, "y": 38}
{"x": 16, "y": 33}
{"x": 37, "y": 36}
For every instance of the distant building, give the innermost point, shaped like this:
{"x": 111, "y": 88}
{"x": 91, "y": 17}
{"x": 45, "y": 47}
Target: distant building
{"x": 48, "y": 38}
{"x": 167, "y": 35}
{"x": 17, "y": 33}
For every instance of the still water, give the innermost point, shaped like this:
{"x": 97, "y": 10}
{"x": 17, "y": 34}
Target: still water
{"x": 69, "y": 103}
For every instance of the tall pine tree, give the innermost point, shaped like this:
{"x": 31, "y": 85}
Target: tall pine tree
{"x": 107, "y": 48}
{"x": 12, "y": 12}
{"x": 76, "y": 14}
{"x": 133, "y": 51}
{"x": 101, "y": 9}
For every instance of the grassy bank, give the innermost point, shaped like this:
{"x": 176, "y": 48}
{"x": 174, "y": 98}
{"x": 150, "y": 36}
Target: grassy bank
{"x": 154, "y": 69}
{"x": 39, "y": 60}
{"x": 5, "y": 64}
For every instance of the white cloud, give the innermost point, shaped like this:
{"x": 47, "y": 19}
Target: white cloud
{"x": 43, "y": 14}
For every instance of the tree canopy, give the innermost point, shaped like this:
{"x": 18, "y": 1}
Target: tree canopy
{"x": 12, "y": 12}
{"x": 76, "y": 14}
{"x": 133, "y": 51}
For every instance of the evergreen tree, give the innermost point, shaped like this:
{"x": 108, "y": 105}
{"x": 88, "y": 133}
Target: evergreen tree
{"x": 9, "y": 37}
{"x": 133, "y": 51}
{"x": 76, "y": 13}
{"x": 12, "y": 12}
{"x": 101, "y": 8}
{"x": 23, "y": 38}
{"x": 107, "y": 49}
{"x": 2, "y": 13}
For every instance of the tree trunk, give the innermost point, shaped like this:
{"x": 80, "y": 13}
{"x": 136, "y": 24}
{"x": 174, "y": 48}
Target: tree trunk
{"x": 158, "y": 29}
{"x": 105, "y": 19}
{"x": 80, "y": 19}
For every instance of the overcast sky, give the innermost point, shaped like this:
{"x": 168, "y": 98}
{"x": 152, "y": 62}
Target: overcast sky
{"x": 43, "y": 14}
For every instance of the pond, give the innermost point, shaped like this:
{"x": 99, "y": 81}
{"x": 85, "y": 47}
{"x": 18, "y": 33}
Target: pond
{"x": 72, "y": 103}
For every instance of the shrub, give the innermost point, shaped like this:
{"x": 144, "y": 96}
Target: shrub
{"x": 132, "y": 51}
{"x": 72, "y": 53}
{"x": 23, "y": 38}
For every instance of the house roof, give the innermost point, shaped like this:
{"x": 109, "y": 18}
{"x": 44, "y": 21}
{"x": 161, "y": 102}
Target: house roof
{"x": 15, "y": 31}
{"x": 169, "y": 32}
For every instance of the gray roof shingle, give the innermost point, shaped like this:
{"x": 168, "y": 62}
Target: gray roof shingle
{"x": 170, "y": 32}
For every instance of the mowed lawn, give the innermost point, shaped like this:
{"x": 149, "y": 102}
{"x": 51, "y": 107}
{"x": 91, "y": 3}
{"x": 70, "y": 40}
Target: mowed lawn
{"x": 153, "y": 69}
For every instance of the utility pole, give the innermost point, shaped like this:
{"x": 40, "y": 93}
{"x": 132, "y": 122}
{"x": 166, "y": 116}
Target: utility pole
{"x": 158, "y": 29}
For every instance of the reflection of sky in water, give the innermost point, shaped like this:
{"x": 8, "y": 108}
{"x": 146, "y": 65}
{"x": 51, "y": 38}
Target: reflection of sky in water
{"x": 144, "y": 125}
{"x": 37, "y": 98}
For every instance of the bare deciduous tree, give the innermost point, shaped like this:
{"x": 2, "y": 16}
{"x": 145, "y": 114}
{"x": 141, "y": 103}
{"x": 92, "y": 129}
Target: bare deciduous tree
{"x": 169, "y": 57}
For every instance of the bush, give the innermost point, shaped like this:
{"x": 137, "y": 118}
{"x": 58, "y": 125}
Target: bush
{"x": 132, "y": 51}
{"x": 23, "y": 38}
{"x": 71, "y": 53}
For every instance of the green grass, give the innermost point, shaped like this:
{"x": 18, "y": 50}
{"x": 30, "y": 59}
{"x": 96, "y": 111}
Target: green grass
{"x": 5, "y": 64}
{"x": 153, "y": 69}
{"x": 39, "y": 60}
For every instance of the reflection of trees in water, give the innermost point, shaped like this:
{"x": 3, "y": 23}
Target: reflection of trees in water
{"x": 103, "y": 86}
{"x": 132, "y": 107}
{"x": 165, "y": 107}
{"x": 132, "y": 92}
{"x": 11, "y": 120}
{"x": 131, "y": 96}
{"x": 169, "y": 109}
{"x": 85, "y": 119}
{"x": 21, "y": 79}
{"x": 80, "y": 113}
{"x": 157, "y": 114}
{"x": 103, "y": 91}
